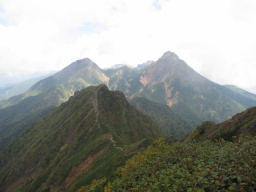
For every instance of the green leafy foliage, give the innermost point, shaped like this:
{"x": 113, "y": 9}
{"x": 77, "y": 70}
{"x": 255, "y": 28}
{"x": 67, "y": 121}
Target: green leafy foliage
{"x": 204, "y": 166}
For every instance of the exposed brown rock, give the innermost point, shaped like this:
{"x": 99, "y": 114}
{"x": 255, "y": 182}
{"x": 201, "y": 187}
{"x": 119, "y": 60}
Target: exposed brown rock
{"x": 83, "y": 167}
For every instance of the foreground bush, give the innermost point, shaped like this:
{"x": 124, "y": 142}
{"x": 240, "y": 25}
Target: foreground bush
{"x": 204, "y": 166}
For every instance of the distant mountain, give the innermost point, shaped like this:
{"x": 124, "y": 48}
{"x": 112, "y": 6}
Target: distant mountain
{"x": 240, "y": 125}
{"x": 144, "y": 65}
{"x": 60, "y": 86}
{"x": 246, "y": 98}
{"x": 83, "y": 139}
{"x": 19, "y": 88}
{"x": 76, "y": 76}
{"x": 169, "y": 121}
{"x": 20, "y": 111}
{"x": 8, "y": 80}
{"x": 171, "y": 81}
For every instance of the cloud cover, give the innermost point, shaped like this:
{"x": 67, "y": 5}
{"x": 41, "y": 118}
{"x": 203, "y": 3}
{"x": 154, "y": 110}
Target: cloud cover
{"x": 216, "y": 38}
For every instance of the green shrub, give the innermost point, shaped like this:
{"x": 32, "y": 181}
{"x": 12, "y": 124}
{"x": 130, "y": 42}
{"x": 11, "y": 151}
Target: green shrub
{"x": 204, "y": 166}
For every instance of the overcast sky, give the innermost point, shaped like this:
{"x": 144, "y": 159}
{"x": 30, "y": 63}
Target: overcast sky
{"x": 215, "y": 37}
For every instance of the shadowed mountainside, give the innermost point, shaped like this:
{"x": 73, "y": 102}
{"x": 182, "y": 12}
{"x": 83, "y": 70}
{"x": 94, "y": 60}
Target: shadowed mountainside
{"x": 170, "y": 122}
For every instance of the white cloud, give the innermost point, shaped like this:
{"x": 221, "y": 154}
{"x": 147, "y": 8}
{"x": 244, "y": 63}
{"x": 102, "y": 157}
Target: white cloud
{"x": 217, "y": 38}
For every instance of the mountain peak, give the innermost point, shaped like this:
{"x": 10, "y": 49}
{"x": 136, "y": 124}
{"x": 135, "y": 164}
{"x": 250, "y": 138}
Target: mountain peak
{"x": 78, "y": 65}
{"x": 169, "y": 54}
{"x": 82, "y": 63}
{"x": 102, "y": 87}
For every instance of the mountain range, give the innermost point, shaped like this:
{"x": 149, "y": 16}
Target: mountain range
{"x": 17, "y": 89}
{"x": 73, "y": 129}
{"x": 168, "y": 81}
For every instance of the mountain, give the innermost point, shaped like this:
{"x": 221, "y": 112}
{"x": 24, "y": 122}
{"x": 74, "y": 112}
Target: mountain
{"x": 170, "y": 122}
{"x": 11, "y": 79}
{"x": 238, "y": 127}
{"x": 60, "y": 86}
{"x": 83, "y": 139}
{"x": 170, "y": 81}
{"x": 20, "y": 111}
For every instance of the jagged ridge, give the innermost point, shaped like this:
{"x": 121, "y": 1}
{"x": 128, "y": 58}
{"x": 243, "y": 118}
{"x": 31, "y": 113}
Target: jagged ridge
{"x": 84, "y": 138}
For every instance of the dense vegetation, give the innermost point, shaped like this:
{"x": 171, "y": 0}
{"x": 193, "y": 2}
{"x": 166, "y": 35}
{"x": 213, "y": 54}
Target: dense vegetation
{"x": 215, "y": 157}
{"x": 206, "y": 166}
{"x": 203, "y": 166}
